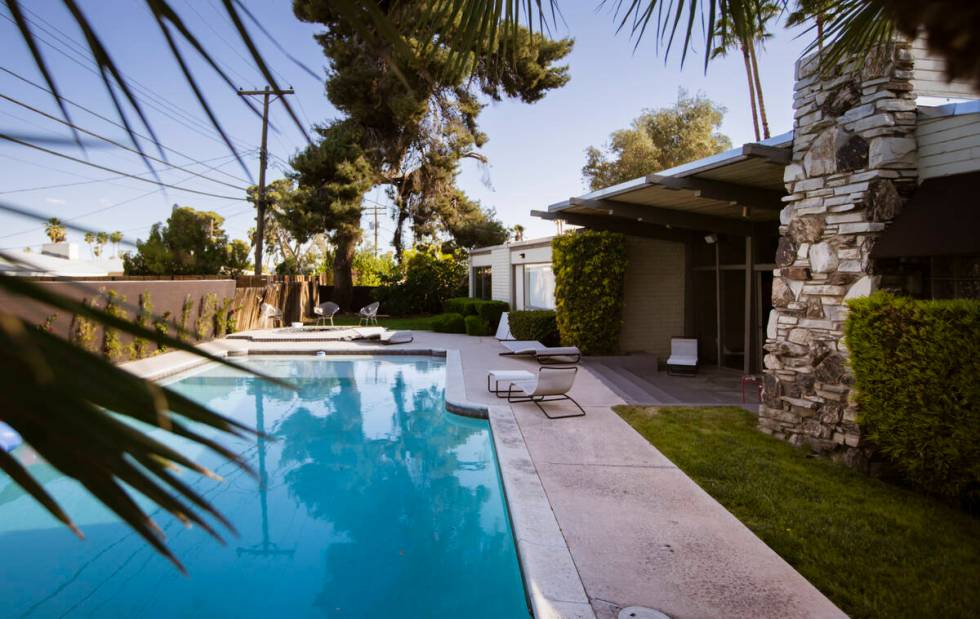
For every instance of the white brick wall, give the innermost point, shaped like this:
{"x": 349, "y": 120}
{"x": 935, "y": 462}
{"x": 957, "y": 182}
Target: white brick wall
{"x": 653, "y": 308}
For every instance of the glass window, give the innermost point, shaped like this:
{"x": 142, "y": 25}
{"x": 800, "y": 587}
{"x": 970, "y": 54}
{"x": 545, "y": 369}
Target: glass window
{"x": 539, "y": 286}
{"x": 482, "y": 283}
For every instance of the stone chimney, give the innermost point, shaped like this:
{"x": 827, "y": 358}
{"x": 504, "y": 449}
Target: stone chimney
{"x": 854, "y": 158}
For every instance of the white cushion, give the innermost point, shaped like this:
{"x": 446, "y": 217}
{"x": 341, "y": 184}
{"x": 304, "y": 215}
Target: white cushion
{"x": 682, "y": 360}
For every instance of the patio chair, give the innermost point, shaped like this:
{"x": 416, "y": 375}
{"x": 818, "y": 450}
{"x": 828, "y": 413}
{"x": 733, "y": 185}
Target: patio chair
{"x": 503, "y": 328}
{"x": 551, "y": 384}
{"x": 397, "y": 337}
{"x": 542, "y": 353}
{"x": 270, "y": 313}
{"x": 326, "y": 311}
{"x": 369, "y": 314}
{"x": 683, "y": 360}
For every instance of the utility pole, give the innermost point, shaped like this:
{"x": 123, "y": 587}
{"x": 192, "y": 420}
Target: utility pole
{"x": 374, "y": 210}
{"x": 263, "y": 163}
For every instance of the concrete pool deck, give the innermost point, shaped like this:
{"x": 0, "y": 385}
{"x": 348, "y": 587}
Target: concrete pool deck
{"x": 603, "y": 520}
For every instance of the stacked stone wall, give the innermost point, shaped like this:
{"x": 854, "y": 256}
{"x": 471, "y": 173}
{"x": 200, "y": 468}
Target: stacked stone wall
{"x": 854, "y": 161}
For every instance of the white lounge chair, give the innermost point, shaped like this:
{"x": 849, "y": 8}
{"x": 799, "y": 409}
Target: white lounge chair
{"x": 683, "y": 356}
{"x": 543, "y": 354}
{"x": 270, "y": 313}
{"x": 503, "y": 328}
{"x": 369, "y": 314}
{"x": 326, "y": 311}
{"x": 550, "y": 385}
{"x": 397, "y": 337}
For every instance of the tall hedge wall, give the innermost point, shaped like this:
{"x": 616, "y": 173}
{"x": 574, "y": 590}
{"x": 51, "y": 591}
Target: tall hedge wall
{"x": 917, "y": 369}
{"x": 590, "y": 272}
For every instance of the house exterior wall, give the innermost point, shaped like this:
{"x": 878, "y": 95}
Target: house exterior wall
{"x": 653, "y": 304}
{"x": 500, "y": 282}
{"x": 929, "y": 77}
{"x": 854, "y": 161}
{"x": 948, "y": 145}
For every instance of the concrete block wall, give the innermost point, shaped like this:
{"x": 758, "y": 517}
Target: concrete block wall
{"x": 653, "y": 306}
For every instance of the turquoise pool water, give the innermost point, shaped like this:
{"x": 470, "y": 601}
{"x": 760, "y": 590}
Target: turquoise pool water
{"x": 375, "y": 502}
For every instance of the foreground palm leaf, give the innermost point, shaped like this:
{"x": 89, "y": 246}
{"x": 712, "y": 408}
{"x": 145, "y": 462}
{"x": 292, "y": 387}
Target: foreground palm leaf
{"x": 58, "y": 397}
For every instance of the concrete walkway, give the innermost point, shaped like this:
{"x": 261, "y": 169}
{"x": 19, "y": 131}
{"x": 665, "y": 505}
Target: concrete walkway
{"x": 640, "y": 532}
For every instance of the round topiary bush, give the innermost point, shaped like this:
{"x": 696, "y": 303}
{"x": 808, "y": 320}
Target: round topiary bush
{"x": 477, "y": 326}
{"x": 449, "y": 323}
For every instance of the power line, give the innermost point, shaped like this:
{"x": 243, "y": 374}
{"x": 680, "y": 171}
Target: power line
{"x": 93, "y": 180}
{"x": 201, "y": 129}
{"x": 110, "y": 207}
{"x": 113, "y": 142}
{"x": 81, "y": 50}
{"x": 214, "y": 30}
{"x": 112, "y": 122}
{"x": 114, "y": 171}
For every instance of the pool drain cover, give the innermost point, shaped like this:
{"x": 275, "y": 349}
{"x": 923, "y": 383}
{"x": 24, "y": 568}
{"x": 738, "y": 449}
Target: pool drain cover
{"x": 639, "y": 612}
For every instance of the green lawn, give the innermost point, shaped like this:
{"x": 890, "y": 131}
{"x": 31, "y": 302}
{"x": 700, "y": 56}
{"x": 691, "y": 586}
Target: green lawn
{"x": 875, "y": 549}
{"x": 411, "y": 323}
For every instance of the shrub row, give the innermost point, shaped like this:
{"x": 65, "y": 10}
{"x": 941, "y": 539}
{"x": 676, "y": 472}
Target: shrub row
{"x": 540, "y": 325}
{"x": 449, "y": 323}
{"x": 590, "y": 274}
{"x": 488, "y": 310}
{"x": 916, "y": 366}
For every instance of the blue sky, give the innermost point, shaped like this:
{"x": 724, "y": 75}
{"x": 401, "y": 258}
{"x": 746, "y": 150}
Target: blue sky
{"x": 536, "y": 152}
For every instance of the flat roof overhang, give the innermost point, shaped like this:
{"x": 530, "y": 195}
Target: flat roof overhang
{"x": 729, "y": 193}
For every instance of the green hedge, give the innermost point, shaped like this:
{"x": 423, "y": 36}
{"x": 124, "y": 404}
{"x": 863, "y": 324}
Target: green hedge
{"x": 477, "y": 326}
{"x": 590, "y": 273}
{"x": 449, "y": 323}
{"x": 917, "y": 371}
{"x": 488, "y": 310}
{"x": 461, "y": 305}
{"x": 540, "y": 325}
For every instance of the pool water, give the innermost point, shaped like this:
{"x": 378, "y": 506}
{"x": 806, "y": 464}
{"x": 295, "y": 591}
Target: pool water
{"x": 372, "y": 501}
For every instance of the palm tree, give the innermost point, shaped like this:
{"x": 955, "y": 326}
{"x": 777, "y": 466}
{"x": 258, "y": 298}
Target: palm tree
{"x": 115, "y": 238}
{"x": 89, "y": 239}
{"x": 55, "y": 230}
{"x": 518, "y": 232}
{"x": 730, "y": 37}
{"x": 815, "y": 10}
{"x": 101, "y": 238}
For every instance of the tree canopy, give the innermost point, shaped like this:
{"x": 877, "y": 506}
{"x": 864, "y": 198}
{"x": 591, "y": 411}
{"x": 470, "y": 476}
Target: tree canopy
{"x": 418, "y": 116}
{"x": 191, "y": 242}
{"x": 657, "y": 140}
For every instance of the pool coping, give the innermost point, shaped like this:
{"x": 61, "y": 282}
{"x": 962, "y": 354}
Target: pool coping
{"x": 552, "y": 582}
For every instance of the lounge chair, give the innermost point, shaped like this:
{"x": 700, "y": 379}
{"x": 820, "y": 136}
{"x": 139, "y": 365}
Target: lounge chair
{"x": 543, "y": 354}
{"x": 551, "y": 384}
{"x": 369, "y": 314}
{"x": 683, "y": 358}
{"x": 503, "y": 328}
{"x": 326, "y": 311}
{"x": 397, "y": 337}
{"x": 270, "y": 313}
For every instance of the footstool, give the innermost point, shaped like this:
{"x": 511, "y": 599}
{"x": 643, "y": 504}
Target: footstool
{"x": 506, "y": 376}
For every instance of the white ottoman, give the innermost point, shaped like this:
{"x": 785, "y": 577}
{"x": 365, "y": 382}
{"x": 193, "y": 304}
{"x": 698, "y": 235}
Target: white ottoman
{"x": 495, "y": 377}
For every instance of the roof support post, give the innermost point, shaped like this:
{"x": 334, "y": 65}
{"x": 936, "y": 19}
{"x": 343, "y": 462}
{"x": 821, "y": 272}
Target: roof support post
{"x": 747, "y": 319}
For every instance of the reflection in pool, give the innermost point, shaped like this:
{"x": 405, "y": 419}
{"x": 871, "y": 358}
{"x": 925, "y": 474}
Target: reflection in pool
{"x": 371, "y": 501}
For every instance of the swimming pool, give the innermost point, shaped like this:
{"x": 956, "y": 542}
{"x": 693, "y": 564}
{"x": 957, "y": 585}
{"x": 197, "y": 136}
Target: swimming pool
{"x": 372, "y": 501}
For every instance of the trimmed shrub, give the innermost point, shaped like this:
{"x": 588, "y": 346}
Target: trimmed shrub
{"x": 462, "y": 305}
{"x": 477, "y": 326}
{"x": 590, "y": 273}
{"x": 916, "y": 365}
{"x": 490, "y": 311}
{"x": 449, "y": 323}
{"x": 538, "y": 325}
